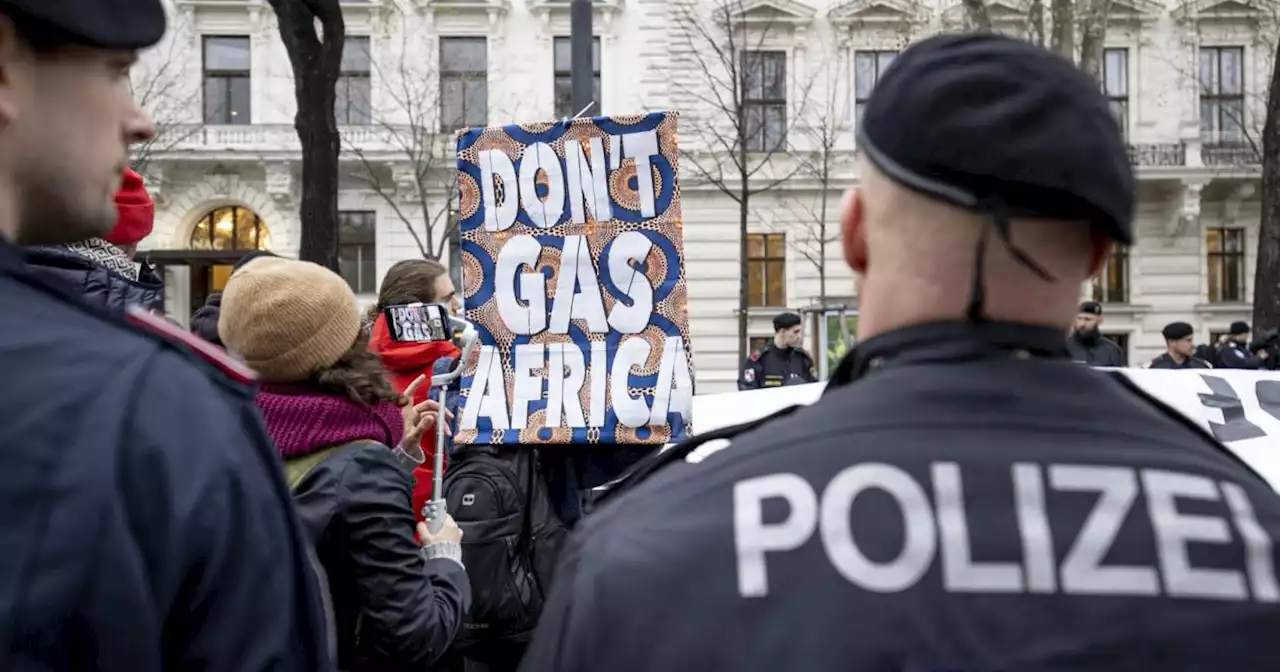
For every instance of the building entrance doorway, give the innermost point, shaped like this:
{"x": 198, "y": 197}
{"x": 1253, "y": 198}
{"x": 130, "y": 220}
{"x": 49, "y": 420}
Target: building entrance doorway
{"x": 220, "y": 238}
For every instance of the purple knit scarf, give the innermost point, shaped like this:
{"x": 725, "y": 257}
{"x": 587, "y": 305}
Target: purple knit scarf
{"x": 302, "y": 420}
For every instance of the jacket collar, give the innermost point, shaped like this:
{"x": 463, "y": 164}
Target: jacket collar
{"x": 949, "y": 342}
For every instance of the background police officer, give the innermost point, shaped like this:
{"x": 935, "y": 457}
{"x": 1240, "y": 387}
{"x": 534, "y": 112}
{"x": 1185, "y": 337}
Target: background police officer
{"x": 942, "y": 506}
{"x": 1088, "y": 345}
{"x": 781, "y": 361}
{"x": 146, "y": 525}
{"x": 1180, "y": 342}
{"x": 1236, "y": 352}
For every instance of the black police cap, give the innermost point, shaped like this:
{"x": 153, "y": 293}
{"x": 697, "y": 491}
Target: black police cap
{"x": 108, "y": 24}
{"x": 785, "y": 321}
{"x": 1176, "y": 331}
{"x": 1091, "y": 308}
{"x": 986, "y": 121}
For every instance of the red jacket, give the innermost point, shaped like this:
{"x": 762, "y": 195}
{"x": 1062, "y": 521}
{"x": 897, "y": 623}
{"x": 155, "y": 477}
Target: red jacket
{"x": 404, "y": 362}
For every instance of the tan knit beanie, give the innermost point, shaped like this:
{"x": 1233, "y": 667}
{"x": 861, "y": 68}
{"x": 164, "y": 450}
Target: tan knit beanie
{"x": 288, "y": 319}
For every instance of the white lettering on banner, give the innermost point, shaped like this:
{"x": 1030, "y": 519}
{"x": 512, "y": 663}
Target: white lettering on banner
{"x": 586, "y": 180}
{"x": 531, "y": 317}
{"x": 566, "y": 373}
{"x": 1082, "y": 570}
{"x": 944, "y": 522}
{"x": 494, "y": 163}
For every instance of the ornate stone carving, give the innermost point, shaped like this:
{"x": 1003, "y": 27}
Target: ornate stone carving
{"x": 406, "y": 183}
{"x": 279, "y": 182}
{"x": 1186, "y": 213}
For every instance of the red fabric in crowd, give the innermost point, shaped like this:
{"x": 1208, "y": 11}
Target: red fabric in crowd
{"x": 404, "y": 362}
{"x": 136, "y": 212}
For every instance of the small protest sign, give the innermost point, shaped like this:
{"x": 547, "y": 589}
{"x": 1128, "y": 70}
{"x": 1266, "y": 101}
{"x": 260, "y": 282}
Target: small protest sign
{"x": 573, "y": 273}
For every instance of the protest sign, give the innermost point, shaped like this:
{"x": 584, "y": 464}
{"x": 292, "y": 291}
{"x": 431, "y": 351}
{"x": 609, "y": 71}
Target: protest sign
{"x": 573, "y": 273}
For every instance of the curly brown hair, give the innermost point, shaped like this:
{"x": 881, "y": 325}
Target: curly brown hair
{"x": 359, "y": 376}
{"x": 408, "y": 281}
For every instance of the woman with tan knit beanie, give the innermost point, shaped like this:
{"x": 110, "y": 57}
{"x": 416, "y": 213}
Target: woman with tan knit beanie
{"x": 335, "y": 418}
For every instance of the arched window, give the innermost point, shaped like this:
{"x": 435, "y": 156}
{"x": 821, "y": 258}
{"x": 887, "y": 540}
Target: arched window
{"x": 231, "y": 228}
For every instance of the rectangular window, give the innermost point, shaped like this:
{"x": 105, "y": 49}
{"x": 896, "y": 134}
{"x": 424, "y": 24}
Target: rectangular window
{"x": 1224, "y": 252}
{"x": 867, "y": 68}
{"x": 357, "y": 250}
{"x": 226, "y": 67}
{"x": 353, "y": 99}
{"x": 1112, "y": 284}
{"x": 1115, "y": 84}
{"x": 766, "y": 269}
{"x": 464, "y": 82}
{"x": 1222, "y": 95}
{"x": 563, "y": 57}
{"x": 1120, "y": 339}
{"x": 764, "y": 100}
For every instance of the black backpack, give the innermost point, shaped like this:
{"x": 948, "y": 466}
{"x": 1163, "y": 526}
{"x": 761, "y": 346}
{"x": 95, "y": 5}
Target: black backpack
{"x": 510, "y": 540}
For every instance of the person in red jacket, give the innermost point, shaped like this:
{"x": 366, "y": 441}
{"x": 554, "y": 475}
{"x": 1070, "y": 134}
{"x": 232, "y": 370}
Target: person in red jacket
{"x": 415, "y": 281}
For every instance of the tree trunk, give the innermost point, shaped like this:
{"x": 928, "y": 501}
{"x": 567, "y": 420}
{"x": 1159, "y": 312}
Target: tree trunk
{"x": 979, "y": 18}
{"x": 744, "y": 274}
{"x": 1266, "y": 279}
{"x": 316, "y": 60}
{"x": 1063, "y": 41}
{"x": 1094, "y": 38}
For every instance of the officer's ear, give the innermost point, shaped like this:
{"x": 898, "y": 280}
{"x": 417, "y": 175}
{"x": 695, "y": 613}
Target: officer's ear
{"x": 853, "y": 237}
{"x": 1100, "y": 251}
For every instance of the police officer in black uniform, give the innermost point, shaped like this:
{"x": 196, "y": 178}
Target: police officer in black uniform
{"x": 781, "y": 361}
{"x": 1236, "y": 352}
{"x": 146, "y": 525}
{"x": 1087, "y": 345}
{"x": 962, "y": 496}
{"x": 1180, "y": 340}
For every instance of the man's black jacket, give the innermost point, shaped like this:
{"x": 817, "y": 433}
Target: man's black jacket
{"x": 962, "y": 497}
{"x": 97, "y": 286}
{"x": 146, "y": 523}
{"x": 1236, "y": 355}
{"x": 357, "y": 505}
{"x": 772, "y": 366}
{"x": 1166, "y": 361}
{"x": 1097, "y": 351}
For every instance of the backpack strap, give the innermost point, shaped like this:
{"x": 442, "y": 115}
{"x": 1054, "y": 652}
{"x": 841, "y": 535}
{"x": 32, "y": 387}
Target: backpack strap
{"x": 298, "y": 468}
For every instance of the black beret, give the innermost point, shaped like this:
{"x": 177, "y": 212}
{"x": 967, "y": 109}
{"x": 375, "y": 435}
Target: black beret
{"x": 785, "y": 321}
{"x": 1091, "y": 307}
{"x": 974, "y": 120}
{"x": 1176, "y": 331}
{"x": 108, "y": 24}
{"x": 1238, "y": 328}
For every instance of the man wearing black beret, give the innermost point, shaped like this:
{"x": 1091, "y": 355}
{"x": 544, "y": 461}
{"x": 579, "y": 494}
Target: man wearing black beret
{"x": 1087, "y": 345}
{"x": 146, "y": 525}
{"x": 781, "y": 361}
{"x": 1180, "y": 341}
{"x": 962, "y": 496}
{"x": 1236, "y": 353}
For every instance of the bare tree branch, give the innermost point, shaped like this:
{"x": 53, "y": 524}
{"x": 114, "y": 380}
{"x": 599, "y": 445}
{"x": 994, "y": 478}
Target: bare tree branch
{"x": 161, "y": 87}
{"x": 737, "y": 134}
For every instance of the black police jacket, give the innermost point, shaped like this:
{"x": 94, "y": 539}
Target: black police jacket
{"x": 1236, "y": 355}
{"x": 962, "y": 497}
{"x": 404, "y": 610}
{"x": 772, "y": 366}
{"x": 99, "y": 287}
{"x": 1165, "y": 361}
{"x": 146, "y": 524}
{"x": 1100, "y": 351}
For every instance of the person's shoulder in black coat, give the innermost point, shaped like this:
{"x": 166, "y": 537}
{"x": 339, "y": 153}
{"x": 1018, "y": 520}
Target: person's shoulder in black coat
{"x": 357, "y": 504}
{"x": 147, "y": 526}
{"x": 98, "y": 286}
{"x": 204, "y": 323}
